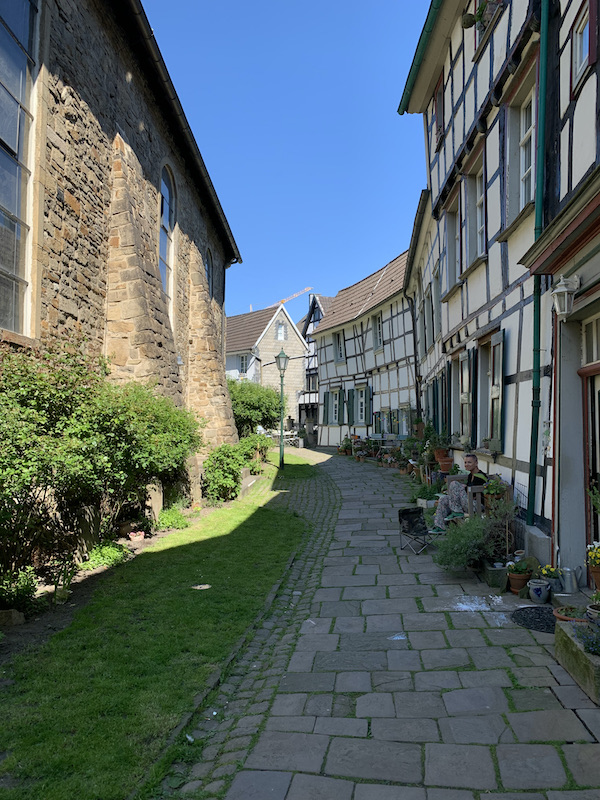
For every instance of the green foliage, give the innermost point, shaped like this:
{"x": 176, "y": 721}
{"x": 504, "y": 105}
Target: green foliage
{"x": 254, "y": 405}
{"x": 18, "y": 590}
{"x": 73, "y": 441}
{"x": 464, "y": 545}
{"x": 426, "y": 492}
{"x": 254, "y": 447}
{"x": 171, "y": 518}
{"x": 589, "y": 636}
{"x": 518, "y": 567}
{"x": 106, "y": 554}
{"x": 223, "y": 473}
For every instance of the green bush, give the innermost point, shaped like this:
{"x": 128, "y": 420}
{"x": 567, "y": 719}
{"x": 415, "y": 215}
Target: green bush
{"x": 106, "y": 554}
{"x": 18, "y": 590}
{"x": 171, "y": 518}
{"x": 464, "y": 546}
{"x": 426, "y": 492}
{"x": 72, "y": 441}
{"x": 222, "y": 478}
{"x": 254, "y": 405}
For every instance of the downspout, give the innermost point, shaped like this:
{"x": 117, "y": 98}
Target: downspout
{"x": 537, "y": 281}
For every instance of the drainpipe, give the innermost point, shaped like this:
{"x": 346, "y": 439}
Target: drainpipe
{"x": 537, "y": 281}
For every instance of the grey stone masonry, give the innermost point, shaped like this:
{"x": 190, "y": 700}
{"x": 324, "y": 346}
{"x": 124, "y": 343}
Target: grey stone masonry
{"x": 385, "y": 697}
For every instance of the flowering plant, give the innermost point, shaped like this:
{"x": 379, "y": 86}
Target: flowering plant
{"x": 550, "y": 572}
{"x": 518, "y": 567}
{"x": 593, "y": 555}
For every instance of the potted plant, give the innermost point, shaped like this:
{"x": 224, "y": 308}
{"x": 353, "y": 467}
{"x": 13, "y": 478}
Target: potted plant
{"x": 302, "y": 437}
{"x": 552, "y": 575}
{"x": 570, "y": 614}
{"x": 592, "y": 559}
{"x": 346, "y": 446}
{"x": 593, "y": 608}
{"x": 519, "y": 572}
{"x": 495, "y": 490}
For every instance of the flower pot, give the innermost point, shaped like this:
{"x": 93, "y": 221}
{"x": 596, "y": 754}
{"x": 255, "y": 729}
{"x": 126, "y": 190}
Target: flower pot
{"x": 593, "y": 611}
{"x": 518, "y": 580}
{"x": 595, "y": 573}
{"x": 539, "y": 590}
{"x": 519, "y": 554}
{"x": 403, "y": 470}
{"x": 440, "y": 452}
{"x": 445, "y": 463}
{"x": 567, "y": 614}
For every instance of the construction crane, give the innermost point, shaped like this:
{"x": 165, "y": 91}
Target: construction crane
{"x": 291, "y": 297}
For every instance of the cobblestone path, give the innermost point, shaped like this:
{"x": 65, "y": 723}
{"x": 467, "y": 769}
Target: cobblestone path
{"x": 378, "y": 676}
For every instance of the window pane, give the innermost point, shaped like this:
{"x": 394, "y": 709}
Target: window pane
{"x": 12, "y": 249}
{"x": 164, "y": 245}
{"x": 164, "y": 271}
{"x": 13, "y": 65}
{"x": 9, "y": 120}
{"x": 589, "y": 343}
{"x": 11, "y": 304}
{"x": 10, "y": 195}
{"x": 18, "y": 15}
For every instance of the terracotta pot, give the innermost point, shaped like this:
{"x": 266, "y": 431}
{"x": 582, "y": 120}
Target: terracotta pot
{"x": 595, "y": 573}
{"x": 440, "y": 452}
{"x": 563, "y": 613}
{"x": 445, "y": 463}
{"x": 518, "y": 581}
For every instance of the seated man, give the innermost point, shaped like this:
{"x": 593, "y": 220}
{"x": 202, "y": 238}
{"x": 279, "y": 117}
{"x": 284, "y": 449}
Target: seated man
{"x": 454, "y": 504}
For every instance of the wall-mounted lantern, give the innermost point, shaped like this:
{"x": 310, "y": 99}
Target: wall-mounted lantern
{"x": 563, "y": 295}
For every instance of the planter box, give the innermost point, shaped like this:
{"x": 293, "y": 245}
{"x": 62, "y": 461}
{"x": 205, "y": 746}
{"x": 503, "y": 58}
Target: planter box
{"x": 583, "y": 667}
{"x": 425, "y": 503}
{"x": 494, "y": 576}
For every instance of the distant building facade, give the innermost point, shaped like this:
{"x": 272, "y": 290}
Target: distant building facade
{"x": 309, "y": 398}
{"x": 253, "y": 341}
{"x": 365, "y": 352}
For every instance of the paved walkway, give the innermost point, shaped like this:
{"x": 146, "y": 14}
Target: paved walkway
{"x": 378, "y": 676}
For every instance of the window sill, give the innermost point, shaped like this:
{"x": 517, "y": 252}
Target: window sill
{"x": 10, "y": 337}
{"x": 525, "y": 212}
{"x": 451, "y": 292}
{"x": 477, "y": 262}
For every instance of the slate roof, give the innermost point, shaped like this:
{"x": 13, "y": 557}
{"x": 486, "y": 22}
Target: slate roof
{"x": 354, "y": 301}
{"x": 244, "y": 330}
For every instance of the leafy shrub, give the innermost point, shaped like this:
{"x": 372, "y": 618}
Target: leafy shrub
{"x": 70, "y": 441}
{"x": 18, "y": 590}
{"x": 223, "y": 473}
{"x": 589, "y": 636}
{"x": 464, "y": 545}
{"x": 254, "y": 405}
{"x": 426, "y": 492}
{"x": 171, "y": 518}
{"x": 106, "y": 554}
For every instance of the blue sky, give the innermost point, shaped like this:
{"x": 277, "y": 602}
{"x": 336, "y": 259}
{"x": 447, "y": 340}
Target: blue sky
{"x": 293, "y": 106}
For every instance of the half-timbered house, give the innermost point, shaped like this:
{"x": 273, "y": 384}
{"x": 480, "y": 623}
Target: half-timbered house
{"x": 485, "y": 376}
{"x": 365, "y": 352}
{"x": 308, "y": 402}
{"x": 567, "y": 252}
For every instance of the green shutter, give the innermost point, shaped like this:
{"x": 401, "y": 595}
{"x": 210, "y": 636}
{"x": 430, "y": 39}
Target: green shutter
{"x": 368, "y": 406}
{"x": 350, "y": 406}
{"x": 496, "y": 426}
{"x": 342, "y": 396}
{"x": 394, "y": 421}
{"x": 377, "y": 421}
{"x": 326, "y": 408}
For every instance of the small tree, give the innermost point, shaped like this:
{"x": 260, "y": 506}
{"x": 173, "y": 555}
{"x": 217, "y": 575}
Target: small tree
{"x": 254, "y": 405}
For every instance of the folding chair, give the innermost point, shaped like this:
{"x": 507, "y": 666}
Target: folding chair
{"x": 413, "y": 530}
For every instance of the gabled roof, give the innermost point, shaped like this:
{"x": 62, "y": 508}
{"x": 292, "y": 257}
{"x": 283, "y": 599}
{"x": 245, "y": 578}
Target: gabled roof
{"x": 351, "y": 303}
{"x": 246, "y": 330}
{"x": 316, "y": 300}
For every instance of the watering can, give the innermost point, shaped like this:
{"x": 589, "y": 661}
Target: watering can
{"x": 570, "y": 579}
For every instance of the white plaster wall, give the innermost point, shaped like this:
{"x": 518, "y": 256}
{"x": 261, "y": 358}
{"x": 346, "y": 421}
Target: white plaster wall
{"x": 518, "y": 244}
{"x": 500, "y": 38}
{"x": 495, "y": 270}
{"x": 584, "y": 125}
{"x": 519, "y": 15}
{"x": 494, "y": 208}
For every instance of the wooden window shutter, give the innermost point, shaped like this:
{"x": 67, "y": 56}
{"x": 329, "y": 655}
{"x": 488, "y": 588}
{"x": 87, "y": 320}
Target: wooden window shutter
{"x": 394, "y": 421}
{"x": 326, "y": 408}
{"x": 368, "y": 406}
{"x": 341, "y": 404}
{"x": 465, "y": 393}
{"x": 350, "y": 406}
{"x": 497, "y": 392}
{"x": 472, "y": 384}
{"x": 377, "y": 421}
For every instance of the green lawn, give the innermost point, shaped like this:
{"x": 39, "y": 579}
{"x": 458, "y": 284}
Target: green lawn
{"x": 91, "y": 711}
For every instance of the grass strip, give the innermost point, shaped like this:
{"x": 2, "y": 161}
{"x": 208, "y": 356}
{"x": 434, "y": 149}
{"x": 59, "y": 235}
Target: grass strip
{"x": 91, "y": 710}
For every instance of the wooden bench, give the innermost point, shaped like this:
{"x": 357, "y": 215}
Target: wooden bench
{"x": 475, "y": 504}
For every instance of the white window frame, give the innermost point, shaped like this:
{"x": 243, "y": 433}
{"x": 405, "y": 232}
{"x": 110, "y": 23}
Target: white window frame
{"x": 526, "y": 151}
{"x": 480, "y": 213}
{"x": 167, "y": 228}
{"x": 361, "y": 405}
{"x": 378, "y": 331}
{"x": 580, "y": 46}
{"x": 339, "y": 349}
{"x": 453, "y": 260}
{"x": 243, "y": 360}
{"x": 280, "y": 332}
{"x": 335, "y": 407}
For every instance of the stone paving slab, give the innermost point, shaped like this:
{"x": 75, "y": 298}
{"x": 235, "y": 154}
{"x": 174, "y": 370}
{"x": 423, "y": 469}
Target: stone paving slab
{"x": 313, "y": 787}
{"x": 461, "y": 766}
{"x": 530, "y": 766}
{"x": 277, "y": 750}
{"x": 584, "y": 762}
{"x": 413, "y": 705}
{"x": 485, "y": 700}
{"x": 365, "y": 661}
{"x": 543, "y": 726}
{"x": 374, "y": 760}
{"x": 396, "y": 730}
{"x": 486, "y": 729}
{"x": 371, "y": 641}
{"x": 369, "y": 792}
{"x": 307, "y": 682}
{"x": 249, "y": 785}
{"x": 399, "y": 605}
{"x": 291, "y": 724}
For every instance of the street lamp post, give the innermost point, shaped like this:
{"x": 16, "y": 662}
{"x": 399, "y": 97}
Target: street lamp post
{"x": 282, "y": 361}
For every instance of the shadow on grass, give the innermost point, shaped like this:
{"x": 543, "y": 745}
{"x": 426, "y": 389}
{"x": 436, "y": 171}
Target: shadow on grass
{"x": 91, "y": 710}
